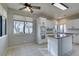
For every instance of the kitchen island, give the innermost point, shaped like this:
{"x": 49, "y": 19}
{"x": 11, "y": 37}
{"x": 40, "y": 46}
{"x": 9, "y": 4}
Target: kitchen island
{"x": 60, "y": 45}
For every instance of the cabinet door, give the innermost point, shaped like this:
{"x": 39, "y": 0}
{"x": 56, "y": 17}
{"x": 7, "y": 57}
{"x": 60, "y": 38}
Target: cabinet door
{"x": 43, "y": 21}
{"x": 75, "y": 25}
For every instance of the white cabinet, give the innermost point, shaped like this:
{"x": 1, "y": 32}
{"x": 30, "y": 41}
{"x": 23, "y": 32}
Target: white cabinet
{"x": 75, "y": 25}
{"x": 76, "y": 39}
{"x": 60, "y": 46}
{"x": 43, "y": 21}
{"x": 41, "y": 30}
{"x": 53, "y": 46}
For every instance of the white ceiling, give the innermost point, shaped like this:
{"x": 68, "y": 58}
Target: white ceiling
{"x": 50, "y": 10}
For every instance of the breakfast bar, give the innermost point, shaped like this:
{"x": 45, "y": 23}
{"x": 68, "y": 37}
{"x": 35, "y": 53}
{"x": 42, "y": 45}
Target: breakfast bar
{"x": 60, "y": 44}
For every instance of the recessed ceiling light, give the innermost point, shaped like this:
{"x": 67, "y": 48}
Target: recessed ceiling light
{"x": 60, "y": 6}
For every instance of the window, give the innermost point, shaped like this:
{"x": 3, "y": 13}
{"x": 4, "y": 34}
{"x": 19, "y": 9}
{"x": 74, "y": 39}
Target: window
{"x": 18, "y": 26}
{"x": 61, "y": 29}
{"x": 23, "y": 27}
{"x": 28, "y": 27}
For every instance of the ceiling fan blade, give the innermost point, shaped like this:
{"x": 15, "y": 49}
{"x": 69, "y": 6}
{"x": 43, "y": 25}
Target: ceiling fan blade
{"x": 36, "y": 7}
{"x": 22, "y": 8}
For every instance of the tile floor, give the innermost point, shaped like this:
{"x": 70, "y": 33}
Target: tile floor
{"x": 35, "y": 50}
{"x": 28, "y": 50}
{"x": 75, "y": 50}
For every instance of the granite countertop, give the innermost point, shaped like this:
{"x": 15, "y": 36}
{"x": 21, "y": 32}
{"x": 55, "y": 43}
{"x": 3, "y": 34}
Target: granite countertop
{"x": 57, "y": 35}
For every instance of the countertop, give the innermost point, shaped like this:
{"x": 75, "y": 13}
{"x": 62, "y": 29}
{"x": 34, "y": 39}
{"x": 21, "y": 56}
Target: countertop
{"x": 59, "y": 35}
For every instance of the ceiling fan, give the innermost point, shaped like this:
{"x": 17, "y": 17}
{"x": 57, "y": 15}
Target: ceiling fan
{"x": 29, "y": 7}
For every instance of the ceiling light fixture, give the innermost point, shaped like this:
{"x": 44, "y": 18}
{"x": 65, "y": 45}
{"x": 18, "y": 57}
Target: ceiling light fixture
{"x": 60, "y": 6}
{"x": 27, "y": 9}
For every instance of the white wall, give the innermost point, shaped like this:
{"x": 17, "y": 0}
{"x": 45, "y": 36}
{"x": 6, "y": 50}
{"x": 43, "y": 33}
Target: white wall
{"x": 14, "y": 39}
{"x": 3, "y": 45}
{"x": 3, "y": 39}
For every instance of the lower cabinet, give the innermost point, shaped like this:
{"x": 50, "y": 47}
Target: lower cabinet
{"x": 60, "y": 47}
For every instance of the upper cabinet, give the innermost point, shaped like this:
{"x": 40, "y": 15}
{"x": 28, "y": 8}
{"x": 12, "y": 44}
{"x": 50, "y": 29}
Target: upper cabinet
{"x": 73, "y": 25}
{"x": 42, "y": 21}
